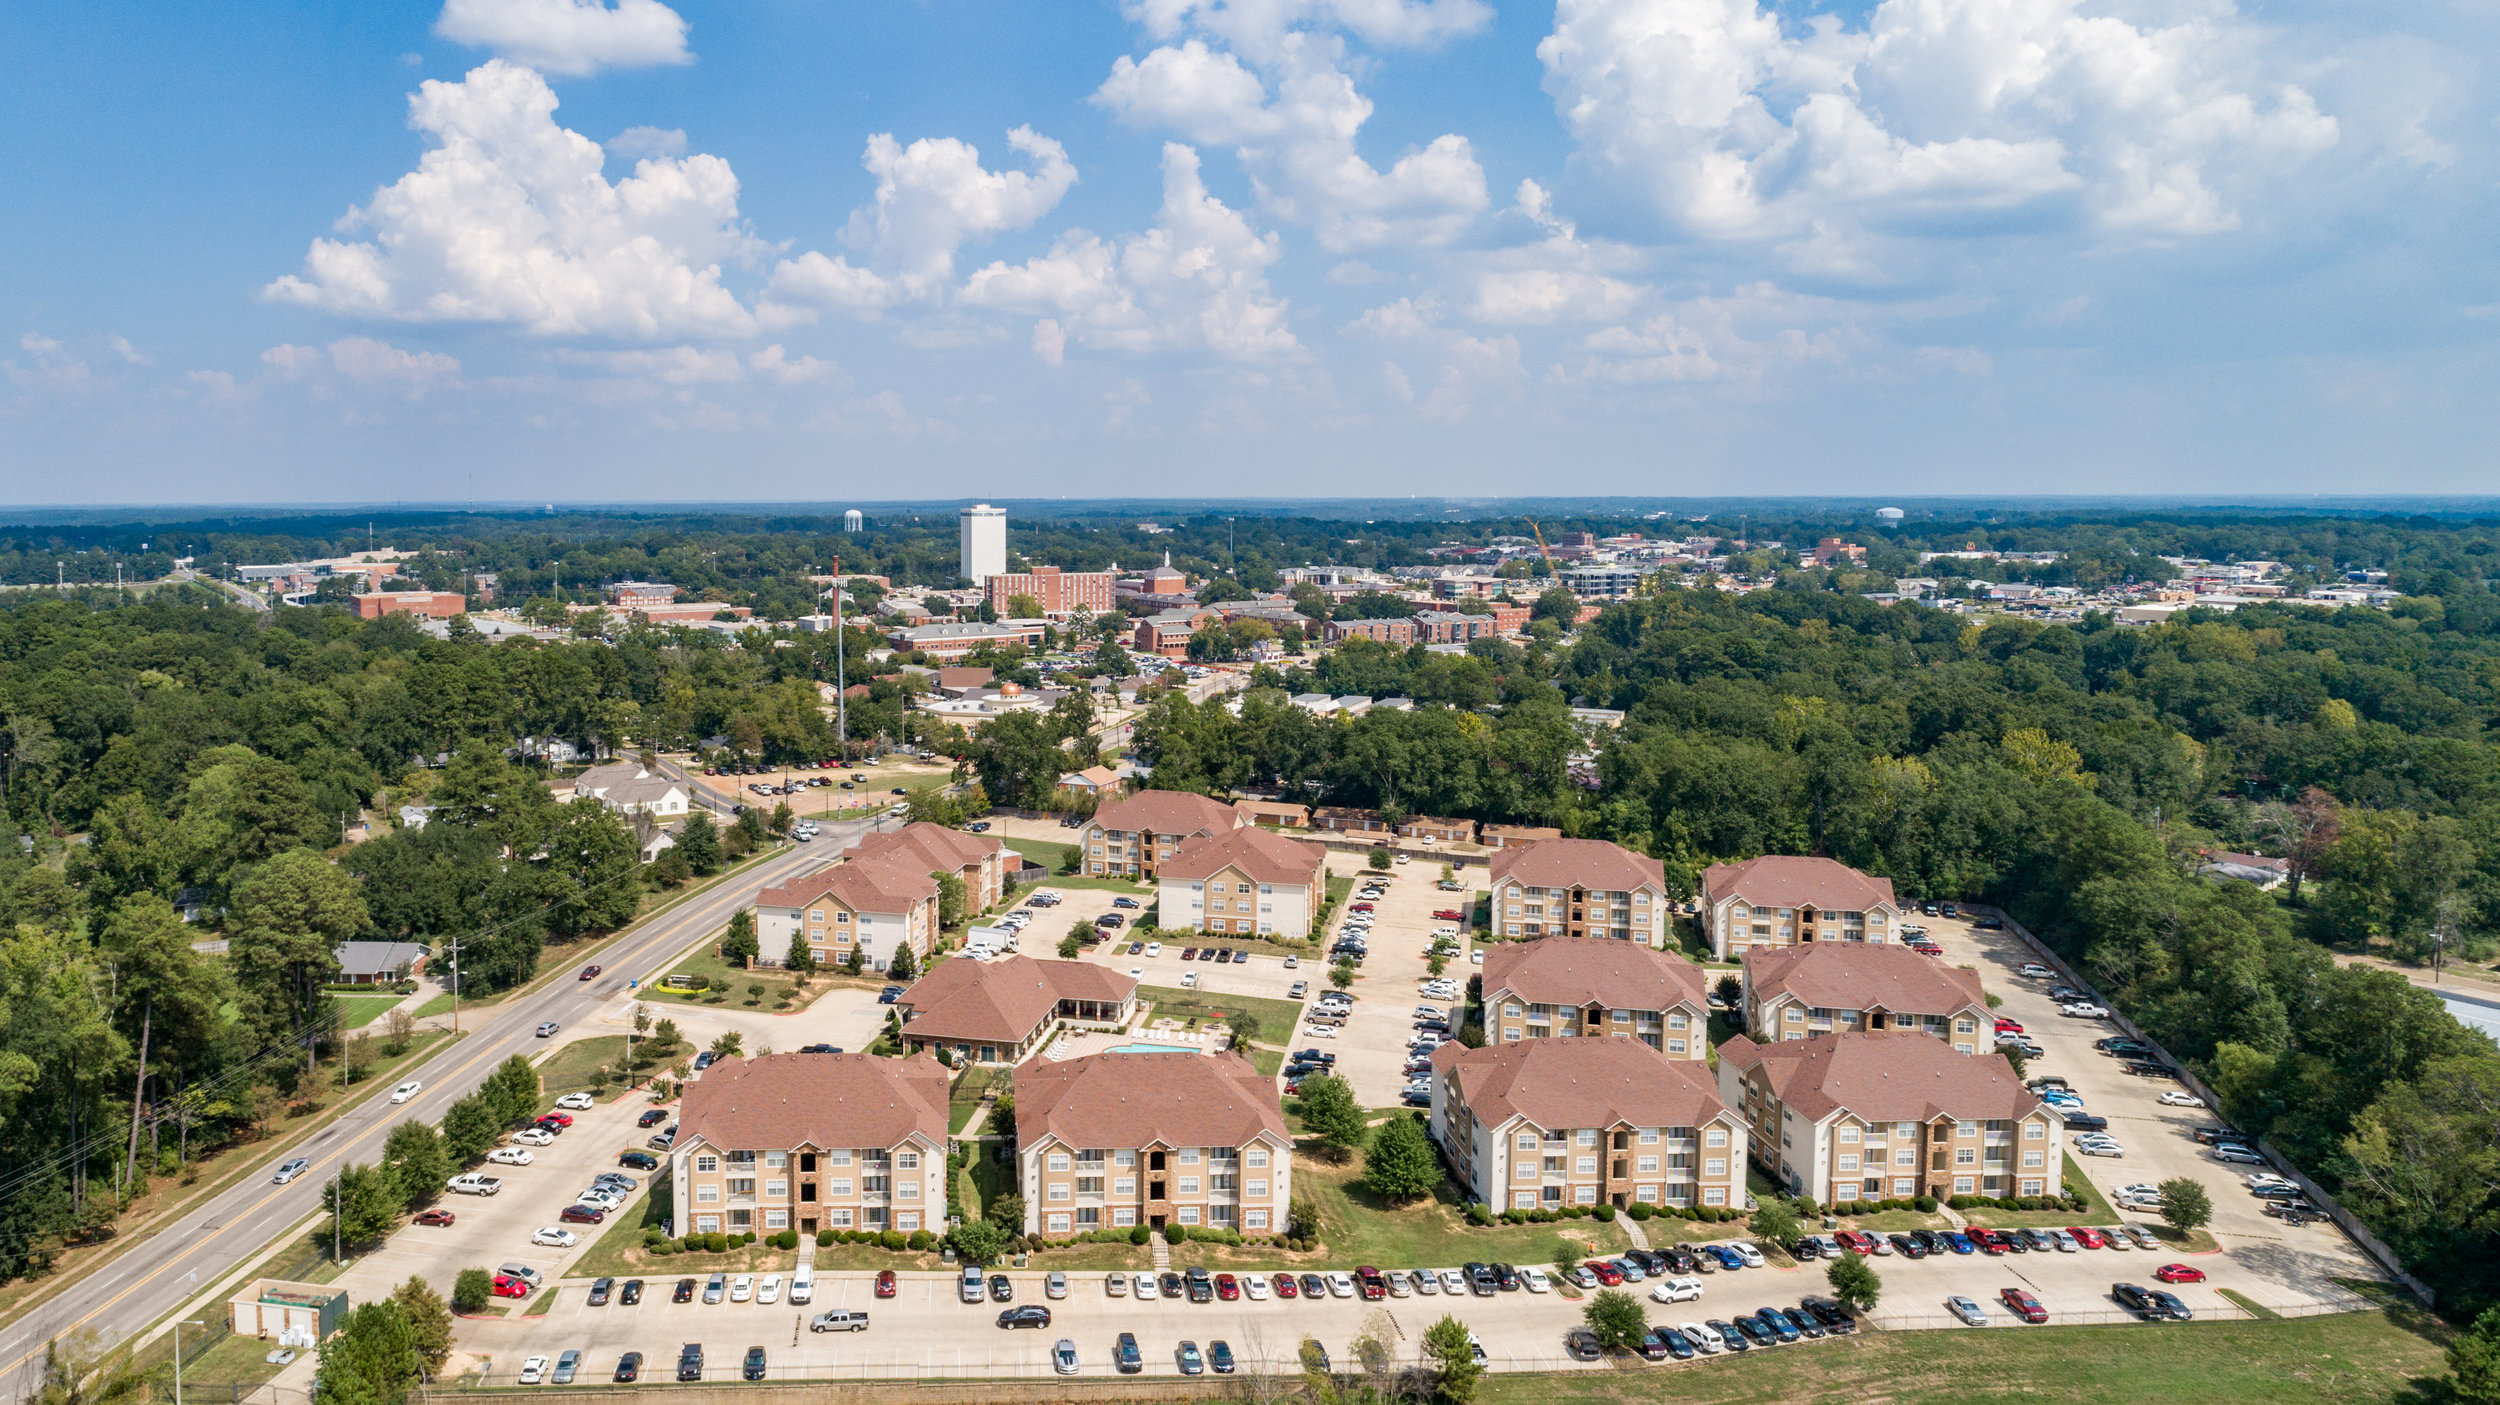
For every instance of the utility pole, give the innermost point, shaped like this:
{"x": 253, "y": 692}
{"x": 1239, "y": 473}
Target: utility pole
{"x": 453, "y": 946}
{"x": 179, "y": 1324}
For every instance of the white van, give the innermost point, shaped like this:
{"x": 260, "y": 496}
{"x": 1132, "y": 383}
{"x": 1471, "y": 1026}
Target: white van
{"x": 803, "y": 1284}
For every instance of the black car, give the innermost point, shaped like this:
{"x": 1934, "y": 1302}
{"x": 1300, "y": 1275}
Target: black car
{"x": 1835, "y": 1318}
{"x": 1001, "y": 1291}
{"x": 2142, "y": 1302}
{"x": 600, "y": 1289}
{"x": 1757, "y": 1331}
{"x": 1907, "y": 1247}
{"x": 1929, "y": 1240}
{"x": 1580, "y": 1344}
{"x": 632, "y": 1292}
{"x": 1124, "y": 1355}
{"x": 629, "y": 1368}
{"x": 2145, "y": 1068}
{"x": 1654, "y": 1345}
{"x": 1734, "y": 1340}
{"x": 1029, "y": 1315}
{"x": 1507, "y": 1277}
{"x": 639, "y": 1160}
{"x": 1200, "y": 1285}
{"x": 684, "y": 1292}
{"x": 1681, "y": 1259}
{"x": 690, "y": 1362}
{"x": 1220, "y": 1356}
{"x": 652, "y": 1118}
{"x": 753, "y": 1368}
{"x": 889, "y": 995}
{"x": 1805, "y": 1250}
{"x": 2214, "y": 1136}
{"x": 1170, "y": 1286}
{"x": 2085, "y": 1122}
{"x": 1805, "y": 1322}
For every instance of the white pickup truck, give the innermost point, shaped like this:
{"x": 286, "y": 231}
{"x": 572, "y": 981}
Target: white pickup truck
{"x": 475, "y": 1183}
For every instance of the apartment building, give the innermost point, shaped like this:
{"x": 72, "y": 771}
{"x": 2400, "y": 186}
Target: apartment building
{"x": 1592, "y": 987}
{"x": 1167, "y": 633}
{"x": 1132, "y": 836}
{"x": 1438, "y": 830}
{"x": 1788, "y": 900}
{"x": 810, "y": 1142}
{"x": 1273, "y": 814}
{"x": 1115, "y": 1140}
{"x": 1550, "y": 1123}
{"x": 1397, "y": 631}
{"x": 1875, "y": 1116}
{"x": 999, "y": 1012}
{"x": 877, "y": 905}
{"x": 628, "y": 789}
{"x": 1059, "y": 593}
{"x": 1798, "y": 992}
{"x": 1243, "y": 882}
{"x": 1505, "y": 836}
{"x": 1452, "y": 627}
{"x": 1579, "y": 888}
{"x": 979, "y": 860}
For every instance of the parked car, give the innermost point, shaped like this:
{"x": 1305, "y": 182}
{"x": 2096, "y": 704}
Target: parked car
{"x": 628, "y": 1368}
{"x": 2179, "y": 1273}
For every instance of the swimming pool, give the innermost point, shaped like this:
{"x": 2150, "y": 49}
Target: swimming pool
{"x": 1153, "y": 1049}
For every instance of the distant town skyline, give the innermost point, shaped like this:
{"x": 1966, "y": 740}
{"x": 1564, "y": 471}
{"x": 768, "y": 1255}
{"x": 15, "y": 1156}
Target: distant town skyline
{"x": 457, "y": 251}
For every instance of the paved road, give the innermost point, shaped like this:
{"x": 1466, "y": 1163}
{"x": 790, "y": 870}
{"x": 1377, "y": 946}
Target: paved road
{"x": 131, "y": 1294}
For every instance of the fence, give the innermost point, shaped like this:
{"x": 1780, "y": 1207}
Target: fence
{"x": 1998, "y": 1314}
{"x": 2344, "y": 1220}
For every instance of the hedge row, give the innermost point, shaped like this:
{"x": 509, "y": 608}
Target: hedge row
{"x": 2069, "y": 1203}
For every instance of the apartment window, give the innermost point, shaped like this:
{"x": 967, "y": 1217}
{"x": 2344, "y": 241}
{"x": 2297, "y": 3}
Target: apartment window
{"x": 1649, "y": 1136}
{"x": 840, "y": 1156}
{"x": 1648, "y": 1165}
{"x": 1124, "y": 1158}
{"x": 1585, "y": 1195}
{"x": 1527, "y": 1141}
{"x": 1189, "y": 1185}
{"x": 707, "y": 1195}
{"x": 1056, "y": 1224}
{"x": 1904, "y": 1185}
{"x": 1058, "y": 1190}
{"x": 776, "y": 1219}
{"x": 2033, "y": 1131}
{"x": 1256, "y": 1158}
{"x": 1189, "y": 1157}
{"x": 1966, "y": 1129}
{"x": 776, "y": 1190}
{"x": 1122, "y": 1217}
{"x": 1588, "y": 1136}
{"x": 1717, "y": 1137}
{"x": 1848, "y": 1163}
{"x": 1848, "y": 1134}
{"x": 840, "y": 1187}
{"x": 1527, "y": 1170}
{"x": 1675, "y": 1046}
{"x": 1962, "y": 1185}
{"x": 1678, "y": 1022}
{"x": 1623, "y": 1017}
{"x": 1254, "y": 1219}
{"x": 1588, "y": 1166}
{"x": 841, "y": 1218}
{"x": 1058, "y": 1161}
{"x": 1124, "y": 1186}
{"x": 2031, "y": 1161}
{"x": 907, "y": 1220}
{"x": 1714, "y": 1195}
{"x": 1255, "y": 1190}
{"x": 1189, "y": 1214}
{"x": 907, "y": 1161}
{"x": 1714, "y": 1166}
{"x": 707, "y": 1163}
{"x": 1965, "y": 1156}
{"x": 707, "y": 1224}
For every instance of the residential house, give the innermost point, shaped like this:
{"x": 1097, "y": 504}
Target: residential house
{"x": 628, "y": 788}
{"x": 1093, "y": 780}
{"x": 378, "y": 963}
{"x": 1592, "y": 987}
{"x": 876, "y": 905}
{"x": 1505, "y": 836}
{"x": 978, "y": 859}
{"x": 1115, "y": 1140}
{"x": 809, "y": 1142}
{"x": 1439, "y": 831}
{"x": 2266, "y": 873}
{"x": 1273, "y": 814}
{"x": 999, "y": 1012}
{"x": 1786, "y": 900}
{"x": 1133, "y": 836}
{"x": 1889, "y": 1115}
{"x": 1579, "y": 888}
{"x": 1798, "y": 992}
{"x": 1552, "y": 1123}
{"x": 1345, "y": 820}
{"x": 1243, "y": 881}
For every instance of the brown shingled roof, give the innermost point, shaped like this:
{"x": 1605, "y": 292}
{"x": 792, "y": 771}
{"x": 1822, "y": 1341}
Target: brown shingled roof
{"x": 1578, "y": 863}
{"x": 882, "y": 883}
{"x": 1580, "y": 1083}
{"x": 1861, "y": 975}
{"x": 1000, "y": 1002}
{"x": 785, "y": 1100}
{"x": 1884, "y": 1076}
{"x": 1593, "y": 971}
{"x": 1167, "y": 812}
{"x": 1133, "y": 1100}
{"x": 1791, "y": 880}
{"x": 1265, "y": 855}
{"x": 932, "y": 846}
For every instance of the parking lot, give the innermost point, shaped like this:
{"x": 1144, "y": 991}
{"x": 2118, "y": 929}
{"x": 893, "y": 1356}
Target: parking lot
{"x": 2271, "y": 1263}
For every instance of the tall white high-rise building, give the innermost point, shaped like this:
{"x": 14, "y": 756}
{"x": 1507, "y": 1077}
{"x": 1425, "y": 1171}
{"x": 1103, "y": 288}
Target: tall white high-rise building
{"x": 984, "y": 536}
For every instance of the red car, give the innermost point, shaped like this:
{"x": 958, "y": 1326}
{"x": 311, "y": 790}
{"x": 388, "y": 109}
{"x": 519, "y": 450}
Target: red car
{"x": 509, "y": 1287}
{"x": 885, "y": 1283}
{"x": 2024, "y": 1306}
{"x": 1360, "y": 907}
{"x": 1285, "y": 1286}
{"x": 1370, "y": 1284}
{"x": 1990, "y": 1241}
{"x": 561, "y": 1119}
{"x": 1606, "y": 1273}
{"x": 1450, "y": 914}
{"x": 439, "y": 1218}
{"x": 2005, "y": 1026}
{"x": 1856, "y": 1241}
{"x": 2088, "y": 1237}
{"x": 589, "y": 971}
{"x": 1227, "y": 1287}
{"x": 2179, "y": 1273}
{"x": 583, "y": 1214}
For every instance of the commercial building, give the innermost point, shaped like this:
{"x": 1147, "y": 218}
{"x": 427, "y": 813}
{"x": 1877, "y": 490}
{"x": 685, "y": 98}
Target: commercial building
{"x": 1132, "y": 837}
{"x": 640, "y": 595}
{"x": 1798, "y": 992}
{"x": 877, "y": 905}
{"x": 1166, "y": 633}
{"x": 810, "y": 1142}
{"x": 1246, "y": 881}
{"x": 979, "y": 860}
{"x": 1788, "y": 900}
{"x": 999, "y": 1012}
{"x": 1579, "y": 888}
{"x": 1116, "y": 1140}
{"x": 1590, "y": 987}
{"x": 953, "y": 641}
{"x": 982, "y": 533}
{"x": 1552, "y": 1123}
{"x": 433, "y": 604}
{"x": 1058, "y": 593}
{"x": 1890, "y": 1115}
{"x": 626, "y": 788}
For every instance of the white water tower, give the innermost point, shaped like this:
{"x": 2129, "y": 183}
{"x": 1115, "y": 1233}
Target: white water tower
{"x": 1888, "y": 516}
{"x": 853, "y": 522}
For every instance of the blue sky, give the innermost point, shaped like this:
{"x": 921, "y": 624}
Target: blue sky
{"x": 786, "y": 249}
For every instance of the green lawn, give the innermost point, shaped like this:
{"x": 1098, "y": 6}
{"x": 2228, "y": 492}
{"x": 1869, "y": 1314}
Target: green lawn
{"x": 704, "y": 963}
{"x": 357, "y": 1011}
{"x": 2096, "y": 1209}
{"x": 1277, "y": 1018}
{"x": 965, "y": 1097}
{"x": 1358, "y": 1228}
{"x": 2366, "y": 1358}
{"x": 1041, "y": 851}
{"x": 568, "y": 1070}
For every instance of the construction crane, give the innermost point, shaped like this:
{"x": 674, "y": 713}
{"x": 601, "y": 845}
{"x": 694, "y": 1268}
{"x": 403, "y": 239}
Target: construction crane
{"x": 1542, "y": 549}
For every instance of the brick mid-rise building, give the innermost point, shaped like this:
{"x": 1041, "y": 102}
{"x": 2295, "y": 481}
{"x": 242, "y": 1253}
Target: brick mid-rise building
{"x": 1132, "y": 836}
{"x": 433, "y": 604}
{"x": 810, "y": 1142}
{"x": 1579, "y": 888}
{"x": 1588, "y": 988}
{"x": 1116, "y": 1140}
{"x": 1059, "y": 593}
{"x": 1551, "y": 1123}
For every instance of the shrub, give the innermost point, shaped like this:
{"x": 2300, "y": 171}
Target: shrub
{"x": 1606, "y": 1213}
{"x": 824, "y": 1239}
{"x": 921, "y": 1239}
{"x": 894, "y": 1239}
{"x": 1479, "y": 1216}
{"x": 1641, "y": 1212}
{"x": 1926, "y": 1204}
{"x": 1175, "y": 1234}
{"x": 1140, "y": 1235}
{"x": 715, "y": 1242}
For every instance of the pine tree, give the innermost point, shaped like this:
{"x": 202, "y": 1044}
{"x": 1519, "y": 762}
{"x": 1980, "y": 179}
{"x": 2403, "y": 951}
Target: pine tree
{"x": 737, "y": 944}
{"x": 1401, "y": 1164}
{"x": 904, "y": 966}
{"x": 800, "y": 960}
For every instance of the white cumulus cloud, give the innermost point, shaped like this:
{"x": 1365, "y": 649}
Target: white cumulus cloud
{"x": 572, "y": 37}
{"x": 1936, "y": 112}
{"x": 508, "y": 219}
{"x": 1197, "y": 280}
